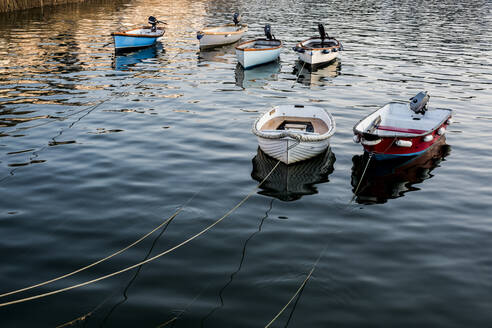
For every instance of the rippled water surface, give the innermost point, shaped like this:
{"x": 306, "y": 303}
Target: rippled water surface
{"x": 96, "y": 150}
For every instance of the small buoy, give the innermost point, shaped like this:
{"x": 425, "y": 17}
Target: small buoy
{"x": 449, "y": 121}
{"x": 356, "y": 138}
{"x": 441, "y": 131}
{"x": 428, "y": 138}
{"x": 403, "y": 143}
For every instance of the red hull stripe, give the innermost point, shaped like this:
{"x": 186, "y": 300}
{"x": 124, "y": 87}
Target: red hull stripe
{"x": 395, "y": 129}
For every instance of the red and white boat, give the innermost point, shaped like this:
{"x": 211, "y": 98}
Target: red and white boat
{"x": 402, "y": 129}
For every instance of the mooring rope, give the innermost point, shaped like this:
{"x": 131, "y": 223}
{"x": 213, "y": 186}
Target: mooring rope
{"x": 149, "y": 259}
{"x": 298, "y": 74}
{"x": 301, "y": 287}
{"x": 165, "y": 222}
{"x": 97, "y": 262}
{"x": 365, "y": 169}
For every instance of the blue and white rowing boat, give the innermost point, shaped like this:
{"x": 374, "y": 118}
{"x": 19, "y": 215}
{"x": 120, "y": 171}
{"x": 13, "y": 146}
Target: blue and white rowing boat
{"x": 259, "y": 51}
{"x": 138, "y": 38}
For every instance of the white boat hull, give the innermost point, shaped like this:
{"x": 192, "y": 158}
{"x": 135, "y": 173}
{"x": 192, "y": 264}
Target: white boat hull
{"x": 288, "y": 150}
{"x": 249, "y": 59}
{"x": 208, "y": 41}
{"x": 221, "y": 35}
{"x": 316, "y": 57}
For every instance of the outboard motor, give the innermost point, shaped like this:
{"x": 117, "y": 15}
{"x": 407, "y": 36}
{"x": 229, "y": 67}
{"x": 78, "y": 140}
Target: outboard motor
{"x": 268, "y": 32}
{"x": 418, "y": 103}
{"x": 236, "y": 18}
{"x": 153, "y": 23}
{"x": 322, "y": 33}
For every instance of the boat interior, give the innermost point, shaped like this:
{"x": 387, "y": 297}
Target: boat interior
{"x": 260, "y": 44}
{"x": 397, "y": 119}
{"x": 317, "y": 44}
{"x": 294, "y": 123}
{"x": 225, "y": 28}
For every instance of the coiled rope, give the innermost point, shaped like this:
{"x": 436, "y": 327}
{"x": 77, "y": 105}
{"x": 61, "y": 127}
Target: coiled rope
{"x": 149, "y": 259}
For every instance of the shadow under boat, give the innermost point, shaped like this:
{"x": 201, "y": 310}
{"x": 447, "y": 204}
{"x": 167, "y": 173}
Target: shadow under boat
{"x": 124, "y": 60}
{"x": 309, "y": 75}
{"x": 291, "y": 182}
{"x": 257, "y": 76}
{"x": 392, "y": 178}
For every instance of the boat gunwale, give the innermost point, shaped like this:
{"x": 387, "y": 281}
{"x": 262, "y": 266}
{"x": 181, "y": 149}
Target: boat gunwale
{"x": 243, "y": 28}
{"x": 262, "y": 49}
{"x": 125, "y": 33}
{"x": 283, "y": 134}
{"x": 403, "y": 135}
{"x": 300, "y": 44}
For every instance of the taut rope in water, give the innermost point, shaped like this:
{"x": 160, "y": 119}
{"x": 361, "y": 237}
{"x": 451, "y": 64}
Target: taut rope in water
{"x": 148, "y": 260}
{"x": 301, "y": 287}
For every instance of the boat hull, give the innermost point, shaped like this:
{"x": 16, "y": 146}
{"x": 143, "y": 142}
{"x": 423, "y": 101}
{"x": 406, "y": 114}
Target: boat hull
{"x": 213, "y": 37}
{"x": 316, "y": 57}
{"x": 289, "y": 150}
{"x": 129, "y": 42}
{"x": 396, "y": 131}
{"x": 250, "y": 59}
{"x": 312, "y": 53}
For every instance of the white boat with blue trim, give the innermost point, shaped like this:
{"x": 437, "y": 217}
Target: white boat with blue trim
{"x": 293, "y": 133}
{"x": 259, "y": 51}
{"x": 138, "y": 38}
{"x": 319, "y": 50}
{"x": 216, "y": 36}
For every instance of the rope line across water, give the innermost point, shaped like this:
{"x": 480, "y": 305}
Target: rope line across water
{"x": 149, "y": 259}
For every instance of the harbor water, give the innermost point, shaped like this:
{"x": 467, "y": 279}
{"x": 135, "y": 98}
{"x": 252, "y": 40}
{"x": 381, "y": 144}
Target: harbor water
{"x": 98, "y": 149}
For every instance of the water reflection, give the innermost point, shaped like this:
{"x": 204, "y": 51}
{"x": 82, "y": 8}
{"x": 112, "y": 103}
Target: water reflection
{"x": 318, "y": 75}
{"x": 257, "y": 76}
{"x": 217, "y": 55}
{"x": 125, "y": 61}
{"x": 291, "y": 182}
{"x": 388, "y": 179}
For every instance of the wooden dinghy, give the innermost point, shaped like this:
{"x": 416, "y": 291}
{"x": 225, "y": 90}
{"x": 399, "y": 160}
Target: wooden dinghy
{"x": 221, "y": 35}
{"x": 138, "y": 38}
{"x": 319, "y": 50}
{"x": 259, "y": 51}
{"x": 402, "y": 129}
{"x": 292, "y": 133}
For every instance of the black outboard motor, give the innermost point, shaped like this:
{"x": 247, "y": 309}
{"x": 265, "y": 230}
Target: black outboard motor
{"x": 236, "y": 18}
{"x": 322, "y": 33}
{"x": 153, "y": 23}
{"x": 418, "y": 103}
{"x": 268, "y": 32}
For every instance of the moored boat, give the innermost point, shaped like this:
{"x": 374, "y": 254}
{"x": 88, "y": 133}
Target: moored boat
{"x": 138, "y": 38}
{"x": 292, "y": 133}
{"x": 402, "y": 129}
{"x": 210, "y": 37}
{"x": 259, "y": 51}
{"x": 318, "y": 50}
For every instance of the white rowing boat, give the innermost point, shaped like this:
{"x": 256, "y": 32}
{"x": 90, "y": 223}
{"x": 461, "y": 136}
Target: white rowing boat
{"x": 292, "y": 133}
{"x": 221, "y": 35}
{"x": 259, "y": 51}
{"x": 319, "y": 50}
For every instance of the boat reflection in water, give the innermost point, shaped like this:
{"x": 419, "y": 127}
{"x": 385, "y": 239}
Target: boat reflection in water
{"x": 291, "y": 182}
{"x": 124, "y": 61}
{"x": 257, "y": 76}
{"x": 217, "y": 55}
{"x": 318, "y": 75}
{"x": 392, "y": 178}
